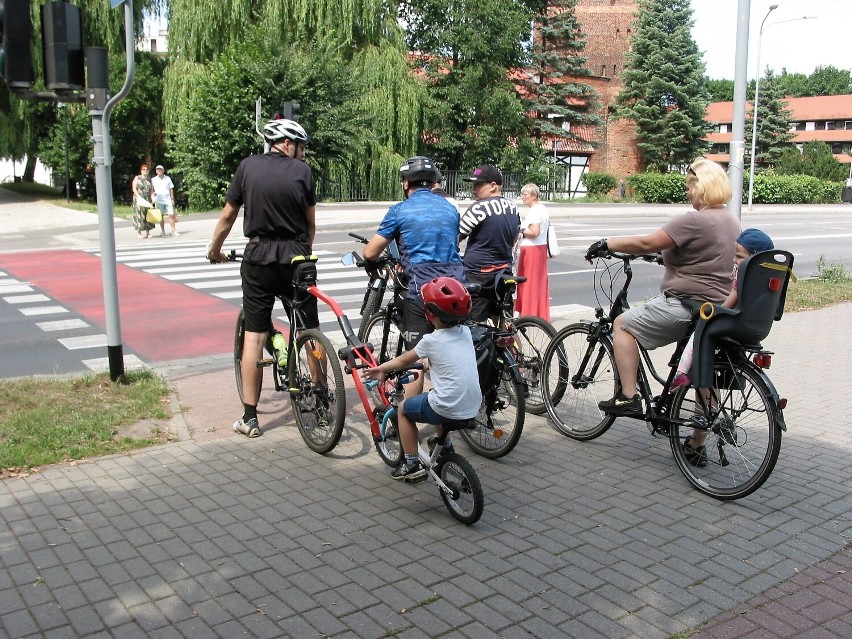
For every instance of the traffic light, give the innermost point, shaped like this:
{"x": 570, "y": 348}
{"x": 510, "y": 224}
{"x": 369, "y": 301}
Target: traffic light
{"x": 62, "y": 40}
{"x": 289, "y": 111}
{"x": 16, "y": 54}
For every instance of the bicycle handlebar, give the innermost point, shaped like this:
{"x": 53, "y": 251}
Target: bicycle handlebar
{"x": 628, "y": 257}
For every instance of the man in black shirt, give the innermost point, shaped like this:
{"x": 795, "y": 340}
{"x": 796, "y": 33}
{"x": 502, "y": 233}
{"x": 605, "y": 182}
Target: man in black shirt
{"x": 491, "y": 226}
{"x": 277, "y": 190}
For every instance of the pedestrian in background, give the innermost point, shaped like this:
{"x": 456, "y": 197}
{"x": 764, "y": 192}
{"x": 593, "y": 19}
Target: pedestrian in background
{"x": 164, "y": 194}
{"x": 141, "y": 188}
{"x": 534, "y": 294}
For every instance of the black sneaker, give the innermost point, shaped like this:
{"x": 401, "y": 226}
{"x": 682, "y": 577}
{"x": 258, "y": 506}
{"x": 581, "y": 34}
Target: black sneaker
{"x": 622, "y": 406}
{"x": 409, "y": 472}
{"x": 433, "y": 441}
{"x": 695, "y": 456}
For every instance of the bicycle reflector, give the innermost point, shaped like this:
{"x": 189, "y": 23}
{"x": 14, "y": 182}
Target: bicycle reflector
{"x": 763, "y": 360}
{"x": 774, "y": 284}
{"x": 782, "y": 403}
{"x": 505, "y": 341}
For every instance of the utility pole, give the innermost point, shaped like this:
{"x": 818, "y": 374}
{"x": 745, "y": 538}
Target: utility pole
{"x": 737, "y": 150}
{"x": 100, "y": 108}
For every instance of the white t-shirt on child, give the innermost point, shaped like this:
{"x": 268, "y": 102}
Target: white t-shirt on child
{"x": 455, "y": 380}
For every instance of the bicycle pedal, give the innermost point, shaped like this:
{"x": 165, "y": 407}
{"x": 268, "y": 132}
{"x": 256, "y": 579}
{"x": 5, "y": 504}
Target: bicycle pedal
{"x": 416, "y": 480}
{"x": 266, "y": 361}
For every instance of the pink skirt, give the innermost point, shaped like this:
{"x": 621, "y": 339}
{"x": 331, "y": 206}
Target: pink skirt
{"x": 534, "y": 294}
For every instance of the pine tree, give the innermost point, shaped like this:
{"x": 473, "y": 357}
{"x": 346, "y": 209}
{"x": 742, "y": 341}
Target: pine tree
{"x": 555, "y": 99}
{"x": 773, "y": 122}
{"x": 665, "y": 89}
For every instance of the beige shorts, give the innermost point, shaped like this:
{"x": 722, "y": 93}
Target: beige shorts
{"x": 166, "y": 209}
{"x": 658, "y": 322}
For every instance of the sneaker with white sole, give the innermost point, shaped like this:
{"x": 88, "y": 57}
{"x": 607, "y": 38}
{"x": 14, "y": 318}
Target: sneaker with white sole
{"x": 248, "y": 428}
{"x": 409, "y": 472}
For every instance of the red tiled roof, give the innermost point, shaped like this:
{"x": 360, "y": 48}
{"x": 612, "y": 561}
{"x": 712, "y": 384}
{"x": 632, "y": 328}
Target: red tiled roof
{"x": 824, "y": 107}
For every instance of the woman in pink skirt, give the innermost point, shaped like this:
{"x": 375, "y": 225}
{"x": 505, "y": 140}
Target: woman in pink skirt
{"x": 534, "y": 294}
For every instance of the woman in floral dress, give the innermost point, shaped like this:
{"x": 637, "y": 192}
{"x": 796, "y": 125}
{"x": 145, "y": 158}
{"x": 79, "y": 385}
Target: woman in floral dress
{"x": 141, "y": 188}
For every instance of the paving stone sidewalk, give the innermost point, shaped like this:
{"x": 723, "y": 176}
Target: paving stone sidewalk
{"x": 221, "y": 536}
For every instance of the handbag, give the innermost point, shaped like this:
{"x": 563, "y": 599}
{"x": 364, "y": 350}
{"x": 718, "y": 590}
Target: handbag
{"x": 154, "y": 216}
{"x": 142, "y": 203}
{"x": 552, "y": 242}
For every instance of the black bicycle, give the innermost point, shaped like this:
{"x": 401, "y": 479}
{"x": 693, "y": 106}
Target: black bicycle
{"x": 305, "y": 367}
{"x": 734, "y": 403}
{"x": 501, "y": 417}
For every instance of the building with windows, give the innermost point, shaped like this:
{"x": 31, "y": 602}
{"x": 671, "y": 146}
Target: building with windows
{"x": 825, "y": 118}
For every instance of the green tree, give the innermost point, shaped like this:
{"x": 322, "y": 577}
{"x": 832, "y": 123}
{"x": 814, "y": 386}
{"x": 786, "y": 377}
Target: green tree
{"x": 830, "y": 80}
{"x": 467, "y": 50}
{"x": 721, "y": 90}
{"x": 362, "y": 34}
{"x": 24, "y": 124}
{"x": 773, "y": 123}
{"x": 665, "y": 90}
{"x": 215, "y": 134}
{"x": 559, "y": 104}
{"x": 815, "y": 159}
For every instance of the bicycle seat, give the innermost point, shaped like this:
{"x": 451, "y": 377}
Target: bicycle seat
{"x": 762, "y": 281}
{"x": 457, "y": 424}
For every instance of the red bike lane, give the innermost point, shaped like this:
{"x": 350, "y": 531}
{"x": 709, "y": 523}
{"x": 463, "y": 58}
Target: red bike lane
{"x": 160, "y": 320}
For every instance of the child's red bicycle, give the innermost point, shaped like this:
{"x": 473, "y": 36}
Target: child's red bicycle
{"x": 319, "y": 401}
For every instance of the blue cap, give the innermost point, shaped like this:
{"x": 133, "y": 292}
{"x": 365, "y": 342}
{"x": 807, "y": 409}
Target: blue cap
{"x": 755, "y": 241}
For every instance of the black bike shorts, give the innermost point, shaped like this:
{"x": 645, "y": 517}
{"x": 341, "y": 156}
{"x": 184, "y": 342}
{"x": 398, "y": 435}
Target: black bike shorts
{"x": 262, "y": 284}
{"x": 414, "y": 322}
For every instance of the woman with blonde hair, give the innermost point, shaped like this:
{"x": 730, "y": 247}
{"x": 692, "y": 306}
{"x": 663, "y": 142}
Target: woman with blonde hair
{"x": 698, "y": 250}
{"x": 534, "y": 294}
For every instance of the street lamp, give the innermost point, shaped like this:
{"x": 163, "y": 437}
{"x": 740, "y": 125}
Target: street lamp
{"x": 756, "y": 86}
{"x": 754, "y": 109}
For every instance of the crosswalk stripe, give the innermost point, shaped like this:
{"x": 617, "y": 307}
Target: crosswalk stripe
{"x": 185, "y": 264}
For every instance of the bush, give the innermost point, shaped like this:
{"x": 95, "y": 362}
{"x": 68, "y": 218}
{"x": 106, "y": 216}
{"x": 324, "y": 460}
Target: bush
{"x": 792, "y": 189}
{"x": 658, "y": 188}
{"x": 598, "y": 183}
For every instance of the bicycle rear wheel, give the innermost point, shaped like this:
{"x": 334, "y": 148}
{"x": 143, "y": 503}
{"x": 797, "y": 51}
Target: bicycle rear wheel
{"x": 532, "y": 335}
{"x": 500, "y": 420}
{"x": 571, "y": 403}
{"x": 316, "y": 390}
{"x": 239, "y": 335}
{"x": 744, "y": 437}
{"x": 467, "y": 500}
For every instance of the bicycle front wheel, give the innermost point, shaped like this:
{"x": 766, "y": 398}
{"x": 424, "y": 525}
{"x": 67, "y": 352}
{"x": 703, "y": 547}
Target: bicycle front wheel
{"x": 371, "y": 306}
{"x": 578, "y": 374}
{"x": 390, "y": 450}
{"x": 239, "y": 336}
{"x": 384, "y": 335}
{"x": 466, "y": 500}
{"x": 500, "y": 420}
{"x": 316, "y": 390}
{"x": 532, "y": 335}
{"x": 744, "y": 436}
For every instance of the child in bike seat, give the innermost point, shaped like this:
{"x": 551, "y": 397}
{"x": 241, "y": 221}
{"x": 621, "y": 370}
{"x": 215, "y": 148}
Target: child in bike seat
{"x": 749, "y": 242}
{"x": 455, "y": 393}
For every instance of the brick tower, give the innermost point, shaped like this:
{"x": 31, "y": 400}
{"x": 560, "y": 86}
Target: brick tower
{"x": 608, "y": 27}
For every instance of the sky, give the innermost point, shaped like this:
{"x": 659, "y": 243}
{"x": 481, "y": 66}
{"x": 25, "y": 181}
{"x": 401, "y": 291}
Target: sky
{"x": 798, "y": 46}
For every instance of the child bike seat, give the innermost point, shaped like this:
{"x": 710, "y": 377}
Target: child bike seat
{"x": 762, "y": 285}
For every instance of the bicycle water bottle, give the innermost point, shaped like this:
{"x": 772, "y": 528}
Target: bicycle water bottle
{"x": 279, "y": 345}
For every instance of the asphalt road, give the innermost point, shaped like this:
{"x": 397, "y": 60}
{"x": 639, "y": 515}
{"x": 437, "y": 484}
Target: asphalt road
{"x": 34, "y": 343}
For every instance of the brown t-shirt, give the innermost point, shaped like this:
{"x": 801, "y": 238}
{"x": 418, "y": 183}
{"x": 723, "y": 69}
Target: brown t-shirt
{"x": 701, "y": 262}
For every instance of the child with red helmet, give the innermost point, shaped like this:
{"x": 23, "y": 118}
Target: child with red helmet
{"x": 455, "y": 393}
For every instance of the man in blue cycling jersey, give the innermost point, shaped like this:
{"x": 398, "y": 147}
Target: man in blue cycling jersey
{"x": 426, "y": 227}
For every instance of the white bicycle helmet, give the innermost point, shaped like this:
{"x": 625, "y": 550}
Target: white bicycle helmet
{"x": 277, "y": 130}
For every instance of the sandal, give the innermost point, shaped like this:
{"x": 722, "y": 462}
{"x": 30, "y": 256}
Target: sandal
{"x": 695, "y": 456}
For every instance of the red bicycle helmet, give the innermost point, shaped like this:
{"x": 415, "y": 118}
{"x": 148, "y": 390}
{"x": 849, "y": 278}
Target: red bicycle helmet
{"x": 447, "y": 299}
